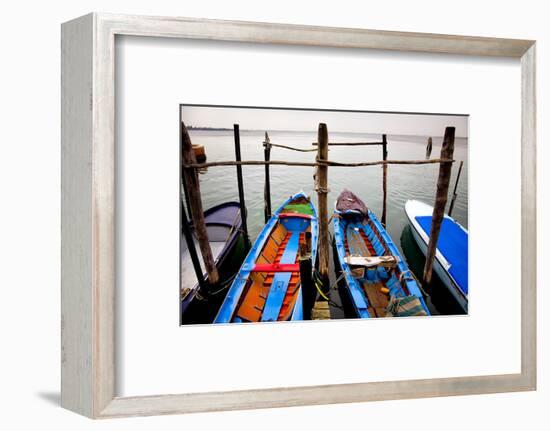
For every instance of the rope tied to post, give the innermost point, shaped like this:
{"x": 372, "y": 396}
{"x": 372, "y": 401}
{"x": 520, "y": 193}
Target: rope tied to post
{"x": 318, "y": 188}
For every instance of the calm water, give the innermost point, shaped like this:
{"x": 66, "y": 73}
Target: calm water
{"x": 219, "y": 184}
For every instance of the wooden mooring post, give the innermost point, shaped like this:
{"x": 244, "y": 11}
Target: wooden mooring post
{"x": 306, "y": 277}
{"x": 322, "y": 192}
{"x": 456, "y": 187}
{"x": 192, "y": 185}
{"x": 443, "y": 180}
{"x": 186, "y": 195}
{"x": 384, "y": 179}
{"x": 240, "y": 185}
{"x": 188, "y": 235}
{"x": 267, "y": 187}
{"x": 429, "y": 148}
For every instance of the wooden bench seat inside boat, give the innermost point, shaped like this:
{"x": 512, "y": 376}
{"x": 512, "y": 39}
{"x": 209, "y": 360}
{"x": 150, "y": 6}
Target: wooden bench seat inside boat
{"x": 371, "y": 261}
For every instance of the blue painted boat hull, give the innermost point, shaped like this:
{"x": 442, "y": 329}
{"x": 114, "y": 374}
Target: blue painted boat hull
{"x": 258, "y": 294}
{"x": 451, "y": 262}
{"x": 358, "y": 234}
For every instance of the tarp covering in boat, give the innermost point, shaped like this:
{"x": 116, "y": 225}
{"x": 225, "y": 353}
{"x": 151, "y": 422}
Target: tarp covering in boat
{"x": 348, "y": 202}
{"x": 453, "y": 245}
{"x": 405, "y": 306}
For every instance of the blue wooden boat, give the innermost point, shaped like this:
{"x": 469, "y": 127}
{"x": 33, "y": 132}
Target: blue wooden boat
{"x": 375, "y": 280}
{"x": 223, "y": 225}
{"x": 267, "y": 286}
{"x": 451, "y": 257}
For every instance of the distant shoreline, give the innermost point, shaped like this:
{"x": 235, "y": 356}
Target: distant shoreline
{"x": 212, "y": 129}
{"x": 224, "y": 129}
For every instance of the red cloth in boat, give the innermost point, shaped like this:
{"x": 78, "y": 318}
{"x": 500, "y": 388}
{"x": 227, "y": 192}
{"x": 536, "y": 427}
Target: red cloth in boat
{"x": 347, "y": 201}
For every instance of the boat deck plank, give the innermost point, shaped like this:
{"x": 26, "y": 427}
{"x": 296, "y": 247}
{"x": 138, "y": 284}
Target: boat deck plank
{"x": 359, "y": 245}
{"x": 254, "y": 302}
{"x": 281, "y": 281}
{"x": 378, "y": 301}
{"x": 356, "y": 243}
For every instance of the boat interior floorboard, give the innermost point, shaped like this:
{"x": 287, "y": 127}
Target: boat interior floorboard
{"x": 358, "y": 244}
{"x": 272, "y": 296}
{"x": 378, "y": 301}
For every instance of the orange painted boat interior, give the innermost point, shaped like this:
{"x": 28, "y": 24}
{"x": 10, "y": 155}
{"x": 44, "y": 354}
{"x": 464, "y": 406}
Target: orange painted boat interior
{"x": 253, "y": 300}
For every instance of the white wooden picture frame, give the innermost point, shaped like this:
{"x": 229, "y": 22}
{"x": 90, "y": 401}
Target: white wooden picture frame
{"x": 88, "y": 214}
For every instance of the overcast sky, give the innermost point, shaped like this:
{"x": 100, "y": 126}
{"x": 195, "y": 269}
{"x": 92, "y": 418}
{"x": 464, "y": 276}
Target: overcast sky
{"x": 298, "y": 120}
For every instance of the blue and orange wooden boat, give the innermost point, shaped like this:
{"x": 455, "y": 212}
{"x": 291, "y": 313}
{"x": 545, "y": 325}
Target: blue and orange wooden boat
{"x": 267, "y": 286}
{"x": 375, "y": 280}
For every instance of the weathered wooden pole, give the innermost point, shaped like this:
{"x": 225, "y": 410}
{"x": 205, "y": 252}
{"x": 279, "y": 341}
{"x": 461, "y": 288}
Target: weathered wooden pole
{"x": 192, "y": 185}
{"x": 186, "y": 195}
{"x": 443, "y": 180}
{"x": 184, "y": 183}
{"x": 429, "y": 148}
{"x": 456, "y": 186}
{"x": 306, "y": 277}
{"x": 188, "y": 235}
{"x": 322, "y": 192}
{"x": 267, "y": 188}
{"x": 244, "y": 225}
{"x": 384, "y": 178}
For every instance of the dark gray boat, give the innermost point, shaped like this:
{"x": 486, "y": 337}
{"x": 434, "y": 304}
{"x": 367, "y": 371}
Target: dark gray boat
{"x": 223, "y": 224}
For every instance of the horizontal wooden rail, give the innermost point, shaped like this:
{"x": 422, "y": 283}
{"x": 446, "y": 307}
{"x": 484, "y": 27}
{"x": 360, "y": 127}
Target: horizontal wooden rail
{"x": 314, "y": 164}
{"x": 352, "y": 143}
{"x": 303, "y": 150}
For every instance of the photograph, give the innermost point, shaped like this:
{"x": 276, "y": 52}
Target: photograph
{"x": 313, "y": 214}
